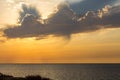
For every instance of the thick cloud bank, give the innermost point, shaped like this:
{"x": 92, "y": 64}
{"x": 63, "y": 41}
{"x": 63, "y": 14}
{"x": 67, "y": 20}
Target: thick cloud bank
{"x": 83, "y": 6}
{"x": 63, "y": 23}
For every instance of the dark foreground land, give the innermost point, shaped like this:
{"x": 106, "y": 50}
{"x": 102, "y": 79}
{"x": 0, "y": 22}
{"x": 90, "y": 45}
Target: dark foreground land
{"x": 8, "y": 77}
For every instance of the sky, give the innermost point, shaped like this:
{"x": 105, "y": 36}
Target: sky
{"x": 60, "y": 31}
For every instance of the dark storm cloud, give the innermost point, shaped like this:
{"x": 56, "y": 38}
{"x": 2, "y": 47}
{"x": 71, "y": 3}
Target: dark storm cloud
{"x": 65, "y": 23}
{"x": 90, "y": 5}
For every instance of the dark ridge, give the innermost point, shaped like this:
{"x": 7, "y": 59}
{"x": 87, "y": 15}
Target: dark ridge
{"x": 30, "y": 77}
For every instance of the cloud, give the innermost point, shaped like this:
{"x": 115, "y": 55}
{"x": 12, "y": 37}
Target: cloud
{"x": 74, "y": 1}
{"x": 83, "y": 6}
{"x": 28, "y": 10}
{"x": 58, "y": 24}
{"x": 112, "y": 18}
{"x": 64, "y": 22}
{"x": 104, "y": 18}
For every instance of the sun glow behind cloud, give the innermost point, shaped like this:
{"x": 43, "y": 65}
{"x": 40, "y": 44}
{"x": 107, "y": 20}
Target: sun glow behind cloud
{"x": 45, "y": 7}
{"x": 94, "y": 46}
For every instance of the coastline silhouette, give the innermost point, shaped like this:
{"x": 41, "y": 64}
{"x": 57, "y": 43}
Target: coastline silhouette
{"x": 29, "y": 77}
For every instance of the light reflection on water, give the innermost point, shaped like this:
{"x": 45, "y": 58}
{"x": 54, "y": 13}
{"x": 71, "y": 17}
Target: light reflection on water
{"x": 64, "y": 72}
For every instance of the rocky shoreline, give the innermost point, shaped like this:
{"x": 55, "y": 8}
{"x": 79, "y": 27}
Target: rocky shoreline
{"x": 29, "y": 77}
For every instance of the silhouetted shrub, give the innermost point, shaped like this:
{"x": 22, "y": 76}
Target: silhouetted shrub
{"x": 35, "y": 77}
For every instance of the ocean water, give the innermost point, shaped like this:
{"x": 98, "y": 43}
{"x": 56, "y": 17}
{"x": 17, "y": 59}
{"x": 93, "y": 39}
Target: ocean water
{"x": 64, "y": 71}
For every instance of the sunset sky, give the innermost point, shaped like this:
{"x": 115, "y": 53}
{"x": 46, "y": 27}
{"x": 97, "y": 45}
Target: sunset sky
{"x": 60, "y": 31}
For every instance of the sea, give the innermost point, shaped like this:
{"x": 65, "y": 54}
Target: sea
{"x": 64, "y": 71}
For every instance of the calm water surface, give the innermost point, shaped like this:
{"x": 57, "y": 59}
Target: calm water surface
{"x": 65, "y": 71}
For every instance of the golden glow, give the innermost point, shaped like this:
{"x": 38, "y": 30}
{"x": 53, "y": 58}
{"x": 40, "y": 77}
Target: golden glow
{"x": 100, "y": 46}
{"x": 45, "y": 7}
{"x": 44, "y": 17}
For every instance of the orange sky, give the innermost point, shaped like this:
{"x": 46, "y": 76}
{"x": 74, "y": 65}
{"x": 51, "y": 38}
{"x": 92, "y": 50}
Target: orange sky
{"x": 102, "y": 46}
